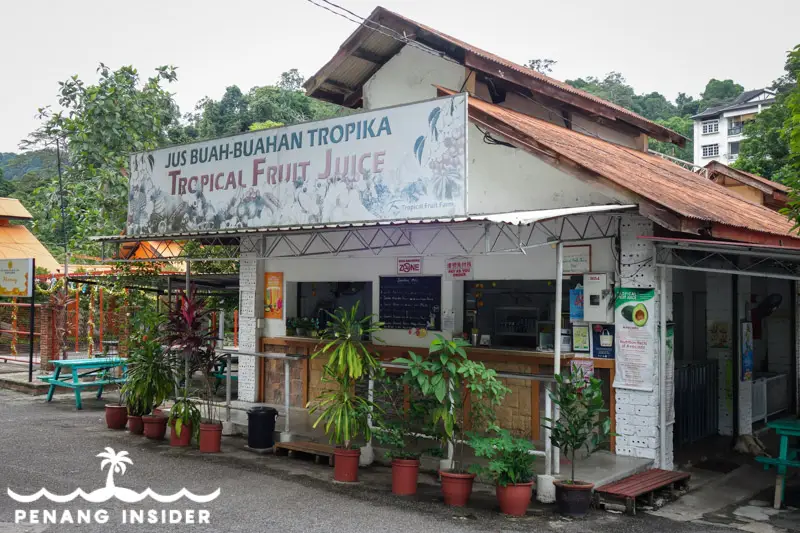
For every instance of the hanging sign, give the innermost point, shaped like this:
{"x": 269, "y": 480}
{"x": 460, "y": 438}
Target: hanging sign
{"x": 458, "y": 268}
{"x": 16, "y": 277}
{"x": 398, "y": 163}
{"x": 636, "y": 339}
{"x": 580, "y": 338}
{"x": 273, "y": 295}
{"x": 747, "y": 351}
{"x": 409, "y": 266}
{"x": 603, "y": 341}
{"x": 575, "y": 305}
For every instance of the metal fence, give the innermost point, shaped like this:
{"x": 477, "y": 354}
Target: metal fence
{"x": 696, "y": 402}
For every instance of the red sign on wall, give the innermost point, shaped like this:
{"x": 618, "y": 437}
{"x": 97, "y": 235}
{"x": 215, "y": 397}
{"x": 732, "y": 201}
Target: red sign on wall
{"x": 458, "y": 268}
{"x": 409, "y": 266}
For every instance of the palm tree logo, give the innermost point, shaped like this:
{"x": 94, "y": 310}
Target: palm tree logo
{"x": 116, "y": 463}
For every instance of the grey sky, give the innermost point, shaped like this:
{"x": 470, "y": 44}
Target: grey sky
{"x": 659, "y": 46}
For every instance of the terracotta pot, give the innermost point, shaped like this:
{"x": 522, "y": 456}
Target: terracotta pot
{"x": 573, "y": 499}
{"x": 404, "y": 476}
{"x": 210, "y": 437}
{"x": 514, "y": 498}
{"x": 185, "y": 438}
{"x": 135, "y": 424}
{"x": 116, "y": 416}
{"x": 456, "y": 488}
{"x": 155, "y": 427}
{"x": 345, "y": 465}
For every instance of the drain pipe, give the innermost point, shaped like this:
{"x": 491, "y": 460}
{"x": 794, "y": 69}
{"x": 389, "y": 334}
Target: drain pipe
{"x": 662, "y": 367}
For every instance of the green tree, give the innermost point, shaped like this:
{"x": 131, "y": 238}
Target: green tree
{"x": 6, "y": 186}
{"x": 545, "y": 66}
{"x": 789, "y": 97}
{"x": 613, "y": 88}
{"x": 100, "y": 125}
{"x": 684, "y": 126}
{"x": 718, "y": 92}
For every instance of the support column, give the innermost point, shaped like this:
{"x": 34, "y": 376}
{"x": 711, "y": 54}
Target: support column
{"x": 638, "y": 422}
{"x": 248, "y": 330}
{"x": 719, "y": 339}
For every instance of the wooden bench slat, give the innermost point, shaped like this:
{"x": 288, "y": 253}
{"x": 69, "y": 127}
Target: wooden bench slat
{"x": 643, "y": 483}
{"x": 308, "y": 447}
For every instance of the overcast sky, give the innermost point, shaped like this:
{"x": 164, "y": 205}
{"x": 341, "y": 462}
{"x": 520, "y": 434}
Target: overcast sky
{"x": 658, "y": 46}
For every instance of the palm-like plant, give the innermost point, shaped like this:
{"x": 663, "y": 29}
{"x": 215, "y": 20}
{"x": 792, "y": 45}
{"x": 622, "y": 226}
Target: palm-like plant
{"x": 151, "y": 376}
{"x": 345, "y": 347}
{"x": 344, "y": 412}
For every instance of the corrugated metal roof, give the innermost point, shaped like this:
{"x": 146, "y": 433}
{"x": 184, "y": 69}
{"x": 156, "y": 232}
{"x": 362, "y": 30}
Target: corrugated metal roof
{"x": 11, "y": 208}
{"x": 741, "y": 175}
{"x": 661, "y": 182}
{"x": 385, "y": 45}
{"x": 16, "y": 242}
{"x": 513, "y": 217}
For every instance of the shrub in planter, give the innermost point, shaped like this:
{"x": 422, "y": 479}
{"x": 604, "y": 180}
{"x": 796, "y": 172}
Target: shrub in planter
{"x": 184, "y": 421}
{"x": 448, "y": 376}
{"x": 405, "y": 461}
{"x": 510, "y": 465}
{"x": 345, "y": 413}
{"x": 580, "y": 400}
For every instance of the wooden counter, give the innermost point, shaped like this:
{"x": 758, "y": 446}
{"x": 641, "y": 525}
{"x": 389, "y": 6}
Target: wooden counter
{"x": 536, "y": 361}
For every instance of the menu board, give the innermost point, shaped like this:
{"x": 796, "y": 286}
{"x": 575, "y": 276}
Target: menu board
{"x": 411, "y": 302}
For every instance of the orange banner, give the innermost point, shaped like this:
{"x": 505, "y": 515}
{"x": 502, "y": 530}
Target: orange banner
{"x": 273, "y": 295}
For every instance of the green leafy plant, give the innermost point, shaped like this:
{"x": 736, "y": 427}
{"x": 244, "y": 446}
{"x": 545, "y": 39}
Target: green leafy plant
{"x": 510, "y": 460}
{"x": 185, "y": 412}
{"x": 150, "y": 377}
{"x": 580, "y": 400}
{"x": 344, "y": 413}
{"x": 400, "y": 425}
{"x": 447, "y": 375}
{"x": 345, "y": 348}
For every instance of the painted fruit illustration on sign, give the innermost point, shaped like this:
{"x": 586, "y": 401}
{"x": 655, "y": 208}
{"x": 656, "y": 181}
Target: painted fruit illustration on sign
{"x": 636, "y": 314}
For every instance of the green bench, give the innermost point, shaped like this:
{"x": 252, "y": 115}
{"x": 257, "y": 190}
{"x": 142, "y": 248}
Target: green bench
{"x": 220, "y": 373}
{"x": 787, "y": 457}
{"x": 99, "y": 369}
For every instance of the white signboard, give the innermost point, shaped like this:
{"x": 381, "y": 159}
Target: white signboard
{"x": 577, "y": 259}
{"x": 409, "y": 266}
{"x": 458, "y": 268}
{"x": 16, "y": 277}
{"x": 636, "y": 339}
{"x": 390, "y": 164}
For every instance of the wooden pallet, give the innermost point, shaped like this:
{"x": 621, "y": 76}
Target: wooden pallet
{"x": 638, "y": 485}
{"x": 321, "y": 452}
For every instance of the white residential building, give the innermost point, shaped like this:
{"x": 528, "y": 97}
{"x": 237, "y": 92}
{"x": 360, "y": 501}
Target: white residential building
{"x": 718, "y": 131}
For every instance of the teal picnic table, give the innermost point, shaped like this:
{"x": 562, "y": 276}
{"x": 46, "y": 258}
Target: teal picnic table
{"x": 787, "y": 457}
{"x": 77, "y": 372}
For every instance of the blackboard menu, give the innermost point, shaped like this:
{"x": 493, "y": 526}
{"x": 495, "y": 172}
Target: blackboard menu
{"x": 411, "y": 302}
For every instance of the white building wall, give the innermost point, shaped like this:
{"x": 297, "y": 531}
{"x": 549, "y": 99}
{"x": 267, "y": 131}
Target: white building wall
{"x": 638, "y": 420}
{"x": 719, "y": 309}
{"x": 745, "y": 411}
{"x": 251, "y": 287}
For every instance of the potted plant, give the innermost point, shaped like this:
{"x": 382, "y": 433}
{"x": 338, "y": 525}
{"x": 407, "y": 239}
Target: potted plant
{"x": 184, "y": 421}
{"x": 150, "y": 381}
{"x": 343, "y": 411}
{"x": 580, "y": 400}
{"x": 314, "y": 327}
{"x": 510, "y": 466}
{"x": 188, "y": 333}
{"x": 116, "y": 415}
{"x": 303, "y": 326}
{"x": 291, "y": 327}
{"x": 447, "y": 375}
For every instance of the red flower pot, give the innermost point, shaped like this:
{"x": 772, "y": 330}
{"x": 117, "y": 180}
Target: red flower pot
{"x": 514, "y": 499}
{"x": 345, "y": 465}
{"x": 155, "y": 427}
{"x": 185, "y": 438}
{"x": 116, "y": 416}
{"x": 456, "y": 488}
{"x": 210, "y": 438}
{"x": 573, "y": 499}
{"x": 135, "y": 424}
{"x": 404, "y": 476}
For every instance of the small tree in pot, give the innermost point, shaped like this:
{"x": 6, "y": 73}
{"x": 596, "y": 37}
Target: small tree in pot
{"x": 580, "y": 400}
{"x": 150, "y": 381}
{"x": 184, "y": 421}
{"x": 343, "y": 411}
{"x": 450, "y": 377}
{"x": 510, "y": 466}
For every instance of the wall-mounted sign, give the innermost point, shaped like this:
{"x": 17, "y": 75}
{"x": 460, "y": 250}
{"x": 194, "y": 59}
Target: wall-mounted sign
{"x": 575, "y": 305}
{"x": 580, "y": 338}
{"x": 636, "y": 338}
{"x": 747, "y": 351}
{"x": 390, "y": 164}
{"x": 577, "y": 259}
{"x": 273, "y": 295}
{"x": 458, "y": 268}
{"x": 409, "y": 266}
{"x": 603, "y": 341}
{"x": 16, "y": 277}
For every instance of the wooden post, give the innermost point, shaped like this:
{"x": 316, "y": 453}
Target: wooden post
{"x": 14, "y": 312}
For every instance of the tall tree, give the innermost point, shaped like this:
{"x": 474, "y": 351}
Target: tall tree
{"x": 718, "y": 92}
{"x": 545, "y": 66}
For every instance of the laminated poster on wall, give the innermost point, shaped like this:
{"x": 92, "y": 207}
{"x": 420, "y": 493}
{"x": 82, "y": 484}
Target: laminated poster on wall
{"x": 603, "y": 341}
{"x": 575, "y": 305}
{"x": 580, "y": 338}
{"x": 747, "y": 351}
{"x": 587, "y": 365}
{"x": 636, "y": 339}
{"x": 273, "y": 295}
{"x": 669, "y": 378}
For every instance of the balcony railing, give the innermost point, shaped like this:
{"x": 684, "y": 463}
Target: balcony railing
{"x": 735, "y": 130}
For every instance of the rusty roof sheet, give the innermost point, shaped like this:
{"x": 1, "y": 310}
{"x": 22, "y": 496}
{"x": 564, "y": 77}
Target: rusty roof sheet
{"x": 16, "y": 242}
{"x": 739, "y": 175}
{"x": 661, "y": 182}
{"x": 11, "y": 208}
{"x": 380, "y": 23}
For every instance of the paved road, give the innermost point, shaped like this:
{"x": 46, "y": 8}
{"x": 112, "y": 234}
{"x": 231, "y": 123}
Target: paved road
{"x": 54, "y": 446}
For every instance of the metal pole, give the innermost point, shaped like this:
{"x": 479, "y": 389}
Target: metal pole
{"x": 286, "y": 391}
{"x": 662, "y": 367}
{"x": 557, "y": 342}
{"x": 187, "y": 370}
{"x": 33, "y": 318}
{"x": 548, "y": 447}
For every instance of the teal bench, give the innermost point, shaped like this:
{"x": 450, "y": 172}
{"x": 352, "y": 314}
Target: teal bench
{"x": 220, "y": 373}
{"x": 787, "y": 457}
{"x": 99, "y": 368}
